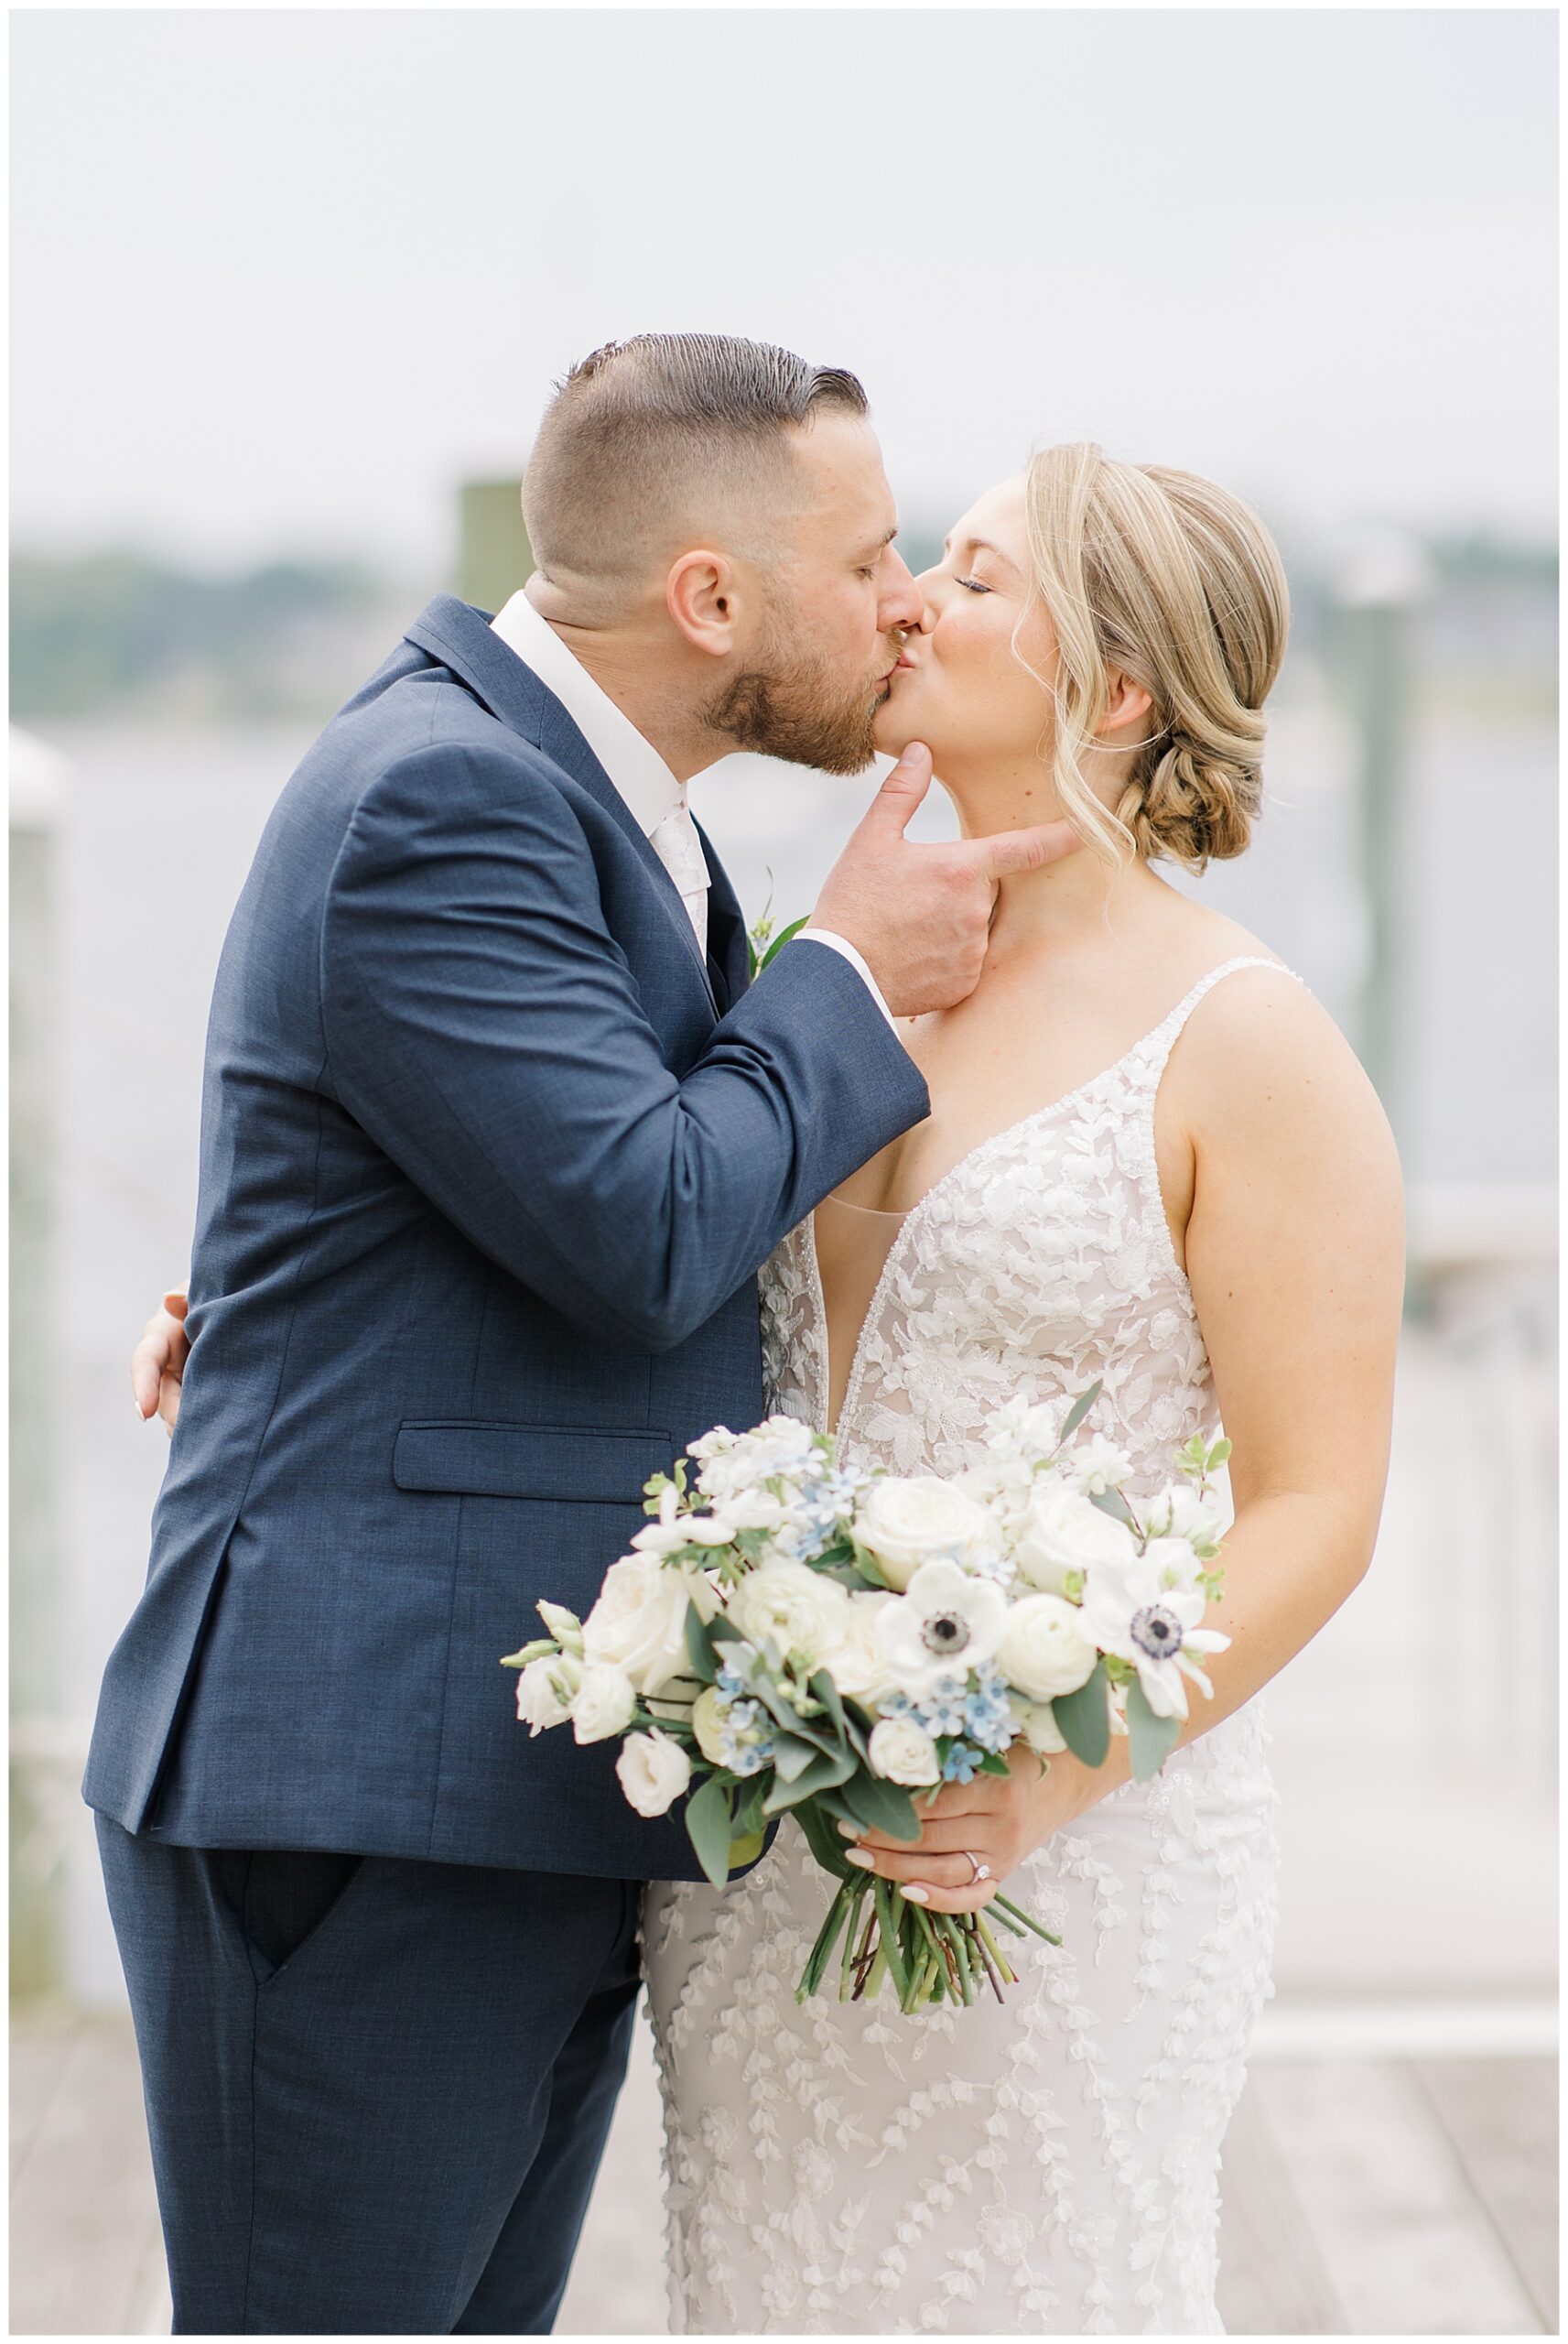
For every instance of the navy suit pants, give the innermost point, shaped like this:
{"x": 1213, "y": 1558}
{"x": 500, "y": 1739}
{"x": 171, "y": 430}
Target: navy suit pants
{"x": 377, "y": 2089}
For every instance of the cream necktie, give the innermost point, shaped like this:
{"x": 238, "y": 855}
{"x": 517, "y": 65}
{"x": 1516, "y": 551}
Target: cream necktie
{"x": 675, "y": 840}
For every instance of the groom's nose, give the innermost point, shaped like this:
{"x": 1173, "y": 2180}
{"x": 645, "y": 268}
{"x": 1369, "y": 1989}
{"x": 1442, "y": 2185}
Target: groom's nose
{"x": 900, "y": 605}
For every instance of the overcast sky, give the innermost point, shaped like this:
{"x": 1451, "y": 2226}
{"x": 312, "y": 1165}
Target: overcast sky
{"x": 281, "y": 279}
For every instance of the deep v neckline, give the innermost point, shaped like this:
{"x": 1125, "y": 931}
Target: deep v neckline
{"x": 917, "y": 1210}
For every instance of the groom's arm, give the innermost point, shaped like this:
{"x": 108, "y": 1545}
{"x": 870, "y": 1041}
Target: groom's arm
{"x": 485, "y": 1029}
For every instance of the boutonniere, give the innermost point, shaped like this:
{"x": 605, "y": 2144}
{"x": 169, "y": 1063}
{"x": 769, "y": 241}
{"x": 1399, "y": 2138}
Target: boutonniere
{"x": 762, "y": 944}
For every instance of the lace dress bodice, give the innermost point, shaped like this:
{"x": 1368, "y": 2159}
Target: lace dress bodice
{"x": 1049, "y": 2166}
{"x": 1042, "y": 1260}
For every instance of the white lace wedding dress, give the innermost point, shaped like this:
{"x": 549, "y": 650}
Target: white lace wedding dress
{"x": 1049, "y": 2164}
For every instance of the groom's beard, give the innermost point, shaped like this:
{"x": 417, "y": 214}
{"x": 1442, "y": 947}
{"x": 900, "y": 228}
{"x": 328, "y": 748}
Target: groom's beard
{"x": 786, "y": 711}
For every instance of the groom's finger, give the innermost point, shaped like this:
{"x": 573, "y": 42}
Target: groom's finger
{"x": 1013, "y": 850}
{"x": 891, "y": 808}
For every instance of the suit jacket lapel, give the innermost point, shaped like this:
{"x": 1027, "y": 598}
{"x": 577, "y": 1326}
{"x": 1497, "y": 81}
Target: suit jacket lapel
{"x": 726, "y": 927}
{"x": 463, "y": 639}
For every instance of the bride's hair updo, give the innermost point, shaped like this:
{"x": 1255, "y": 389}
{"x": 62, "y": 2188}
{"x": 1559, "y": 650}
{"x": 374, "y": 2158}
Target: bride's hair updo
{"x": 1177, "y": 583}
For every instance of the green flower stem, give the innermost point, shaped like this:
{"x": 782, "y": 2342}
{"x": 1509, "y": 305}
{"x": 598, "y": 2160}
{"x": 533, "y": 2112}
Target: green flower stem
{"x": 845, "y": 1976}
{"x": 1008, "y": 1975}
{"x": 1005, "y": 1904}
{"x": 953, "y": 1939}
{"x": 811, "y": 1975}
{"x": 871, "y": 1985}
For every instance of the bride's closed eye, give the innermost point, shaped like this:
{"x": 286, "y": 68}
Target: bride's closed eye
{"x": 974, "y": 586}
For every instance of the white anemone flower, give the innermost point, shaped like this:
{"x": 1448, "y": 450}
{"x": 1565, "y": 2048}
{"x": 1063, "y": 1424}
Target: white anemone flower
{"x": 1129, "y": 1610}
{"x": 946, "y": 1623}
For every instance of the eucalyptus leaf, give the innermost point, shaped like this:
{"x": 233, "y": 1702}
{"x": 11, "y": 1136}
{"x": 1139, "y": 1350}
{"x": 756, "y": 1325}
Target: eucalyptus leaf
{"x": 709, "y": 1828}
{"x": 823, "y": 1773}
{"x": 700, "y": 1646}
{"x": 1151, "y": 1739}
{"x": 1111, "y": 1502}
{"x": 1082, "y": 1719}
{"x": 879, "y": 1806}
{"x": 827, "y": 1844}
{"x": 792, "y": 1756}
{"x": 1080, "y": 1409}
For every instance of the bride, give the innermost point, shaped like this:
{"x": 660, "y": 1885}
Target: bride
{"x": 1152, "y": 1160}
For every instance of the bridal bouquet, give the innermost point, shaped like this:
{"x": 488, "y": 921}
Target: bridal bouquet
{"x": 789, "y": 1636}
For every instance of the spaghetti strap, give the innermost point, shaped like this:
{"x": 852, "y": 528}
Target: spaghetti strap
{"x": 1164, "y": 1036}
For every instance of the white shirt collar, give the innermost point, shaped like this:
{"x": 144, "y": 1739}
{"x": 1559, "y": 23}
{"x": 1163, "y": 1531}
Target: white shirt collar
{"x": 632, "y": 763}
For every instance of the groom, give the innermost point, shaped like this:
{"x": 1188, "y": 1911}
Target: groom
{"x": 494, "y": 1139}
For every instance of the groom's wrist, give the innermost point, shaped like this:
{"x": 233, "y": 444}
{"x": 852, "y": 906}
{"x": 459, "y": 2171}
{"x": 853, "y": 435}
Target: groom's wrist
{"x": 857, "y": 961}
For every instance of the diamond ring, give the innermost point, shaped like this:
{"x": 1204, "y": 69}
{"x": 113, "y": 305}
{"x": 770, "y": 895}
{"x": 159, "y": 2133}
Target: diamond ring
{"x": 977, "y": 1871}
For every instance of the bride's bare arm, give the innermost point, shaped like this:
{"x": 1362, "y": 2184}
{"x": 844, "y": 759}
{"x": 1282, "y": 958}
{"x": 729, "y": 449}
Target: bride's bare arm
{"x": 1295, "y": 1256}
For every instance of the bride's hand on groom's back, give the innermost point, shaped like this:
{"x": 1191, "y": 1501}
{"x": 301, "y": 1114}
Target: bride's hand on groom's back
{"x": 920, "y": 914}
{"x": 158, "y": 1363}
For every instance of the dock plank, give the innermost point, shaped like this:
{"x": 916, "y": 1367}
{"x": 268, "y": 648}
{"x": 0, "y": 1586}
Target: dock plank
{"x": 38, "y": 2055}
{"x": 1272, "y": 2280}
{"x": 1501, "y": 2116}
{"x": 1392, "y": 2212}
{"x": 82, "y": 2205}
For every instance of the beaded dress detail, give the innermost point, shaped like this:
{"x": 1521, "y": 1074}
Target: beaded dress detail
{"x": 1049, "y": 2165}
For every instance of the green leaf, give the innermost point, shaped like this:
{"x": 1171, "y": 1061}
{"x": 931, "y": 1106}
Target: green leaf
{"x": 1111, "y": 1502}
{"x": 785, "y": 1714}
{"x": 782, "y": 938}
{"x": 1218, "y": 1453}
{"x": 827, "y": 1844}
{"x": 993, "y": 1763}
{"x": 746, "y": 1849}
{"x": 1082, "y": 1719}
{"x": 879, "y": 1806}
{"x": 721, "y": 1630}
{"x": 1080, "y": 1409}
{"x": 823, "y": 1773}
{"x": 826, "y": 1692}
{"x": 709, "y": 1829}
{"x": 699, "y": 1644}
{"x": 1152, "y": 1738}
{"x": 793, "y": 1757}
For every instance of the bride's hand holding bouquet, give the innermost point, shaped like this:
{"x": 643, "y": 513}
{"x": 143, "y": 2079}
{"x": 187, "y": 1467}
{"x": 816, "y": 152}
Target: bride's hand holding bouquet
{"x": 926, "y": 1672}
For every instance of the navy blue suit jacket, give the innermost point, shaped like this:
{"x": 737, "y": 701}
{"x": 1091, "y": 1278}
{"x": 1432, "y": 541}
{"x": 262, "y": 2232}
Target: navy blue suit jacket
{"x": 490, "y": 1160}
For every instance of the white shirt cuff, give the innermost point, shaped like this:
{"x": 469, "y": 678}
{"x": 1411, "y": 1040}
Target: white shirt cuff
{"x": 847, "y": 952}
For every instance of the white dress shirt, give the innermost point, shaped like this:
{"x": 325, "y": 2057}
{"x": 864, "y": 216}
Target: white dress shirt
{"x": 656, "y": 800}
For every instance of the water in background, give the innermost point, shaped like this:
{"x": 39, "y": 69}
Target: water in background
{"x": 159, "y": 833}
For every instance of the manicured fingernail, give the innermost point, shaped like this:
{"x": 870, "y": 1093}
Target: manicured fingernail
{"x": 859, "y": 1856}
{"x": 915, "y": 1894}
{"x": 850, "y": 1830}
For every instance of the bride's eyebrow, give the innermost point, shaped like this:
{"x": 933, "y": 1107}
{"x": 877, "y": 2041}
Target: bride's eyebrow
{"x": 980, "y": 544}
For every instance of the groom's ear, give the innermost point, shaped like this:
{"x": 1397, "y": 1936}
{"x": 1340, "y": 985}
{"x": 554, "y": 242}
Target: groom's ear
{"x": 702, "y": 595}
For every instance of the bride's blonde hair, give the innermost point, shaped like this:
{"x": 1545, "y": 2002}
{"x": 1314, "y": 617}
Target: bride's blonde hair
{"x": 1178, "y": 584}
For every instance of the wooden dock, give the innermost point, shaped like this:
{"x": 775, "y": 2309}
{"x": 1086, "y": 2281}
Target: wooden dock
{"x": 1364, "y": 2196}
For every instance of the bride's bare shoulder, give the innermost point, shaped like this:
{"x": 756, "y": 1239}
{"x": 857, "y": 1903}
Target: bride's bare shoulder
{"x": 1261, "y": 1065}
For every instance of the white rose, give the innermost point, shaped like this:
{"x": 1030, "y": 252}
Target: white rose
{"x": 605, "y": 1702}
{"x": 709, "y": 1713}
{"x": 638, "y": 1624}
{"x": 800, "y": 1610}
{"x": 546, "y": 1691}
{"x": 654, "y": 1771}
{"x": 1045, "y": 1649}
{"x": 901, "y": 1752}
{"x": 858, "y": 1664}
{"x": 902, "y": 1523}
{"x": 1063, "y": 1532}
{"x": 1037, "y": 1726}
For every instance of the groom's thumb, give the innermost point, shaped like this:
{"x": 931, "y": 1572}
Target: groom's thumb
{"x": 894, "y": 803}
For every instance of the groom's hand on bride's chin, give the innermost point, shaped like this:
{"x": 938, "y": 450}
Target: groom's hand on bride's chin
{"x": 158, "y": 1363}
{"x": 920, "y": 914}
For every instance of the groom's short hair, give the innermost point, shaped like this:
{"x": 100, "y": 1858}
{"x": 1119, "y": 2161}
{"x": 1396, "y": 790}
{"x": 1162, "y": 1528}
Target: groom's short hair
{"x": 648, "y": 440}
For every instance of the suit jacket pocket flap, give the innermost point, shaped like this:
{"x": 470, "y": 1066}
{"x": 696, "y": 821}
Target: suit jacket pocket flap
{"x": 529, "y": 1461}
